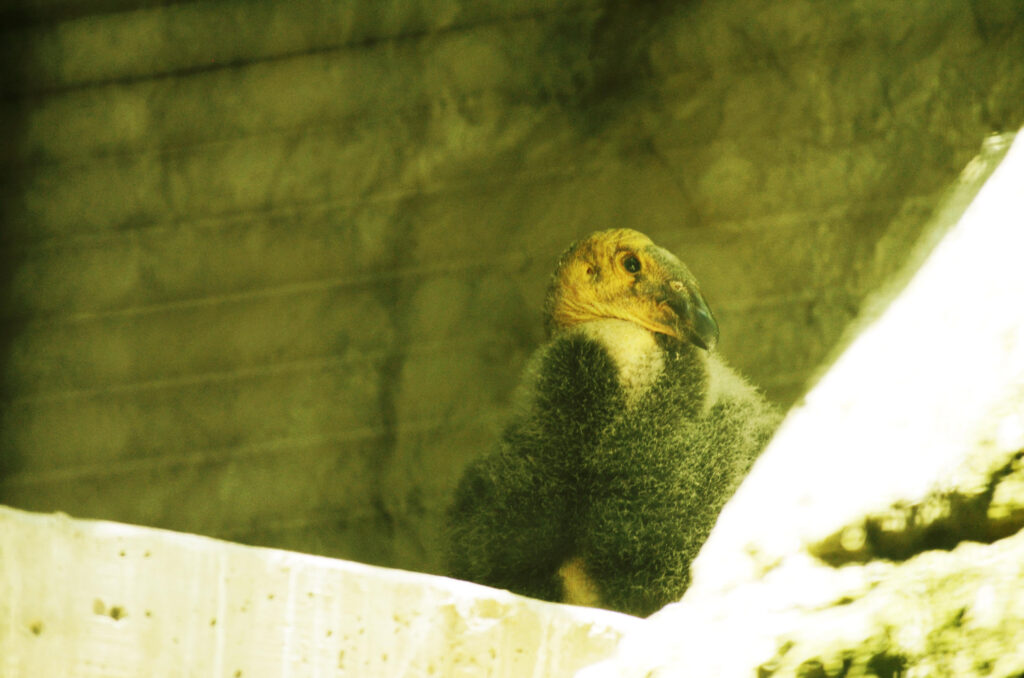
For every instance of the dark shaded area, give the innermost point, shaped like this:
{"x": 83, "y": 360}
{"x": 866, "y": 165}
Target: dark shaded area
{"x": 885, "y": 665}
{"x": 10, "y": 460}
{"x": 814, "y": 668}
{"x": 605, "y": 58}
{"x": 619, "y": 54}
{"x": 881, "y": 664}
{"x": 11, "y": 322}
{"x": 395, "y": 298}
{"x": 18, "y": 14}
{"x": 941, "y": 522}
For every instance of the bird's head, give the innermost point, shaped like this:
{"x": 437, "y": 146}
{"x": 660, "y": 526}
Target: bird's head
{"x": 622, "y": 274}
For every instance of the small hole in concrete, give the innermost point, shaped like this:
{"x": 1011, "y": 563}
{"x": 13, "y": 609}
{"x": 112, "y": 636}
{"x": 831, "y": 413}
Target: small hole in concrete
{"x": 117, "y": 612}
{"x": 36, "y": 628}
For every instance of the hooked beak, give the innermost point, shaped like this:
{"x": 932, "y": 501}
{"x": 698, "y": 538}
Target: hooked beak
{"x": 694, "y": 320}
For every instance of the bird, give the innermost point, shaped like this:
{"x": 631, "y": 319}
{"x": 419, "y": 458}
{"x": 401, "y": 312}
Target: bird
{"x": 627, "y": 435}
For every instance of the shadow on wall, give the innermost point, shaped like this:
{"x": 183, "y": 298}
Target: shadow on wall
{"x": 620, "y": 52}
{"x": 12, "y": 75}
{"x": 606, "y": 73}
{"x": 9, "y": 462}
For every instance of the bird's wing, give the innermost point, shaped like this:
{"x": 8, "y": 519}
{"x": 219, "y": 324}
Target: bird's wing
{"x": 514, "y": 517}
{"x": 666, "y": 475}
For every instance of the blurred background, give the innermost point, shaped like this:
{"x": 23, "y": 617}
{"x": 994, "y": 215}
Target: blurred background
{"x": 269, "y": 270}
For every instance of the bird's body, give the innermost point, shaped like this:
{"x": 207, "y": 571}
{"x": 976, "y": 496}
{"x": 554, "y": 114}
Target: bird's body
{"x": 629, "y": 435}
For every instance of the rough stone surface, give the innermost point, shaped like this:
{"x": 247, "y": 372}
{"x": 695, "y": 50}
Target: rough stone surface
{"x": 270, "y": 269}
{"x": 882, "y": 532}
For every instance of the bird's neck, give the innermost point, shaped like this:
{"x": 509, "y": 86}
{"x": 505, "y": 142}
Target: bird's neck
{"x": 638, "y": 354}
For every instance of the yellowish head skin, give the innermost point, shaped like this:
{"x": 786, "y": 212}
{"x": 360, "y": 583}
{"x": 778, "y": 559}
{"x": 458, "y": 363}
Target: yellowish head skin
{"x": 622, "y": 274}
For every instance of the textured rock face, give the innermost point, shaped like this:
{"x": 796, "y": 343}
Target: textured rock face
{"x": 881, "y": 532}
{"x": 270, "y": 270}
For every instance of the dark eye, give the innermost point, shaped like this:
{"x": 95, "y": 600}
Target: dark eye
{"x": 631, "y": 263}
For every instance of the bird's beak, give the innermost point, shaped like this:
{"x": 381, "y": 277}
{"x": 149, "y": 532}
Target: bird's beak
{"x": 694, "y": 320}
{"x": 698, "y": 323}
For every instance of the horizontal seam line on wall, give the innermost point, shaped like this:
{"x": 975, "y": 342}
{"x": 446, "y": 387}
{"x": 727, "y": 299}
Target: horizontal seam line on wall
{"x": 170, "y": 151}
{"x": 507, "y": 262}
{"x": 184, "y": 71}
{"x": 533, "y": 176}
{"x": 268, "y": 369}
{"x": 128, "y": 466}
{"x": 243, "y": 373}
{"x": 741, "y": 61}
{"x": 513, "y": 261}
{"x": 73, "y": 12}
{"x": 540, "y": 101}
{"x": 510, "y": 262}
{"x": 396, "y": 194}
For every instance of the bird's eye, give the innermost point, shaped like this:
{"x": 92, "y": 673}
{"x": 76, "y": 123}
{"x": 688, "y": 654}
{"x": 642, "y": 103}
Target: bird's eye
{"x": 631, "y": 263}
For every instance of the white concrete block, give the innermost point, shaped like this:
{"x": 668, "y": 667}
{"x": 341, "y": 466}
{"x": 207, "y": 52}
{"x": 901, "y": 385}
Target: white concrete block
{"x": 90, "y": 598}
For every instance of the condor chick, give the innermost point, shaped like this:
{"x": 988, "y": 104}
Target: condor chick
{"x": 629, "y": 436}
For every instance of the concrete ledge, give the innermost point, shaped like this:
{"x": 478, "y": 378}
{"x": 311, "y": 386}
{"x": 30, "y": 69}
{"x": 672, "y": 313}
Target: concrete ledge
{"x": 90, "y": 598}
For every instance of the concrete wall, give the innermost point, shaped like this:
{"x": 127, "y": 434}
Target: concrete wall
{"x": 898, "y": 552}
{"x": 269, "y": 270}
